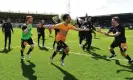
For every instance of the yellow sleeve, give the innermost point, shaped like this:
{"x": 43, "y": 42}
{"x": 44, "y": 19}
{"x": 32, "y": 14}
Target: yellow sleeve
{"x": 57, "y": 26}
{"x": 72, "y": 27}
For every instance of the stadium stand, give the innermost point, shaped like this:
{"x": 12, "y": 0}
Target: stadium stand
{"x": 19, "y": 18}
{"x": 104, "y": 20}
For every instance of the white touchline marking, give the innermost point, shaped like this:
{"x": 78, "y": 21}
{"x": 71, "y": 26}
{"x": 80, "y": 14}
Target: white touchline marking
{"x": 75, "y": 53}
{"x": 80, "y": 54}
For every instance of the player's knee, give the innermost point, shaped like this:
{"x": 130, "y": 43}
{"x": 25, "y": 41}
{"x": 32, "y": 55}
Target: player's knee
{"x": 56, "y": 50}
{"x": 67, "y": 50}
{"x": 123, "y": 53}
{"x": 22, "y": 49}
{"x": 32, "y": 47}
{"x": 111, "y": 49}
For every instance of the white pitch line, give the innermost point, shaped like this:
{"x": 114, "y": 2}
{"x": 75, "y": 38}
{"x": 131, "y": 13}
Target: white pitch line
{"x": 80, "y": 54}
{"x": 75, "y": 53}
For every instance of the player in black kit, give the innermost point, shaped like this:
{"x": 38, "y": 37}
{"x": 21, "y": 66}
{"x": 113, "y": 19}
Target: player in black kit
{"x": 120, "y": 39}
{"x": 88, "y": 34}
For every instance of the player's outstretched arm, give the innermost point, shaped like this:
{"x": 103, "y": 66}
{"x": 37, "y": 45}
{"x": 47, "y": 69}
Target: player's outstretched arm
{"x": 51, "y": 27}
{"x": 110, "y": 35}
{"x": 98, "y": 29}
{"x": 80, "y": 29}
{"x": 113, "y": 35}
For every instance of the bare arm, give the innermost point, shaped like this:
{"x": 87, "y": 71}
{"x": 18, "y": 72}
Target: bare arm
{"x": 99, "y": 30}
{"x": 80, "y": 29}
{"x": 51, "y": 27}
{"x": 113, "y": 35}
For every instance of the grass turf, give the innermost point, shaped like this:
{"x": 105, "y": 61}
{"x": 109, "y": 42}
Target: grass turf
{"x": 79, "y": 65}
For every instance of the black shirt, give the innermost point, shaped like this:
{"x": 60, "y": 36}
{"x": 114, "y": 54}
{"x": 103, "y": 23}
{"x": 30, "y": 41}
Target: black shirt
{"x": 120, "y": 29}
{"x": 89, "y": 25}
{"x": 41, "y": 30}
{"x": 79, "y": 24}
{"x": 7, "y": 27}
{"x": 56, "y": 22}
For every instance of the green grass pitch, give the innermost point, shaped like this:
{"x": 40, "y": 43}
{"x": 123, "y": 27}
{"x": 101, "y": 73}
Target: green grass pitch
{"x": 79, "y": 65}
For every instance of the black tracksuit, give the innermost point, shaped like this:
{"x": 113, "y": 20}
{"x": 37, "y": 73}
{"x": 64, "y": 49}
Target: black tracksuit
{"x": 41, "y": 33}
{"x": 88, "y": 35}
{"x": 6, "y": 29}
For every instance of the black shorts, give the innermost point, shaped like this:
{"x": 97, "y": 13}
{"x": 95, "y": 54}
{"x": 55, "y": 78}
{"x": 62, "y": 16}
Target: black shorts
{"x": 41, "y": 34}
{"x": 117, "y": 44}
{"x": 24, "y": 42}
{"x": 93, "y": 32}
{"x": 61, "y": 44}
{"x": 81, "y": 33}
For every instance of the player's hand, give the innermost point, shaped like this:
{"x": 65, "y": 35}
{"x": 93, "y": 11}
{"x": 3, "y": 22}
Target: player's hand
{"x": 86, "y": 29}
{"x": 98, "y": 29}
{"x": 44, "y": 26}
{"x": 106, "y": 34}
{"x": 25, "y": 31}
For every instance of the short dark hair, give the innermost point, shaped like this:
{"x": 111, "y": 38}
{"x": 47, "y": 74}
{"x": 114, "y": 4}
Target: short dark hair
{"x": 27, "y": 17}
{"x": 89, "y": 16}
{"x": 8, "y": 18}
{"x": 65, "y": 16}
{"x": 116, "y": 19}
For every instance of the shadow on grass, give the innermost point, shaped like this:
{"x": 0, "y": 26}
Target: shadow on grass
{"x": 6, "y": 51}
{"x": 27, "y": 70}
{"x": 96, "y": 38}
{"x": 94, "y": 48}
{"x": 43, "y": 48}
{"x": 67, "y": 76}
{"x": 98, "y": 56}
{"x": 129, "y": 78}
{"x": 129, "y": 68}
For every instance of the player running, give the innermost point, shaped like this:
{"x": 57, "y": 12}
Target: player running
{"x": 120, "y": 39}
{"x": 61, "y": 36}
{"x": 88, "y": 34}
{"x": 26, "y": 37}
